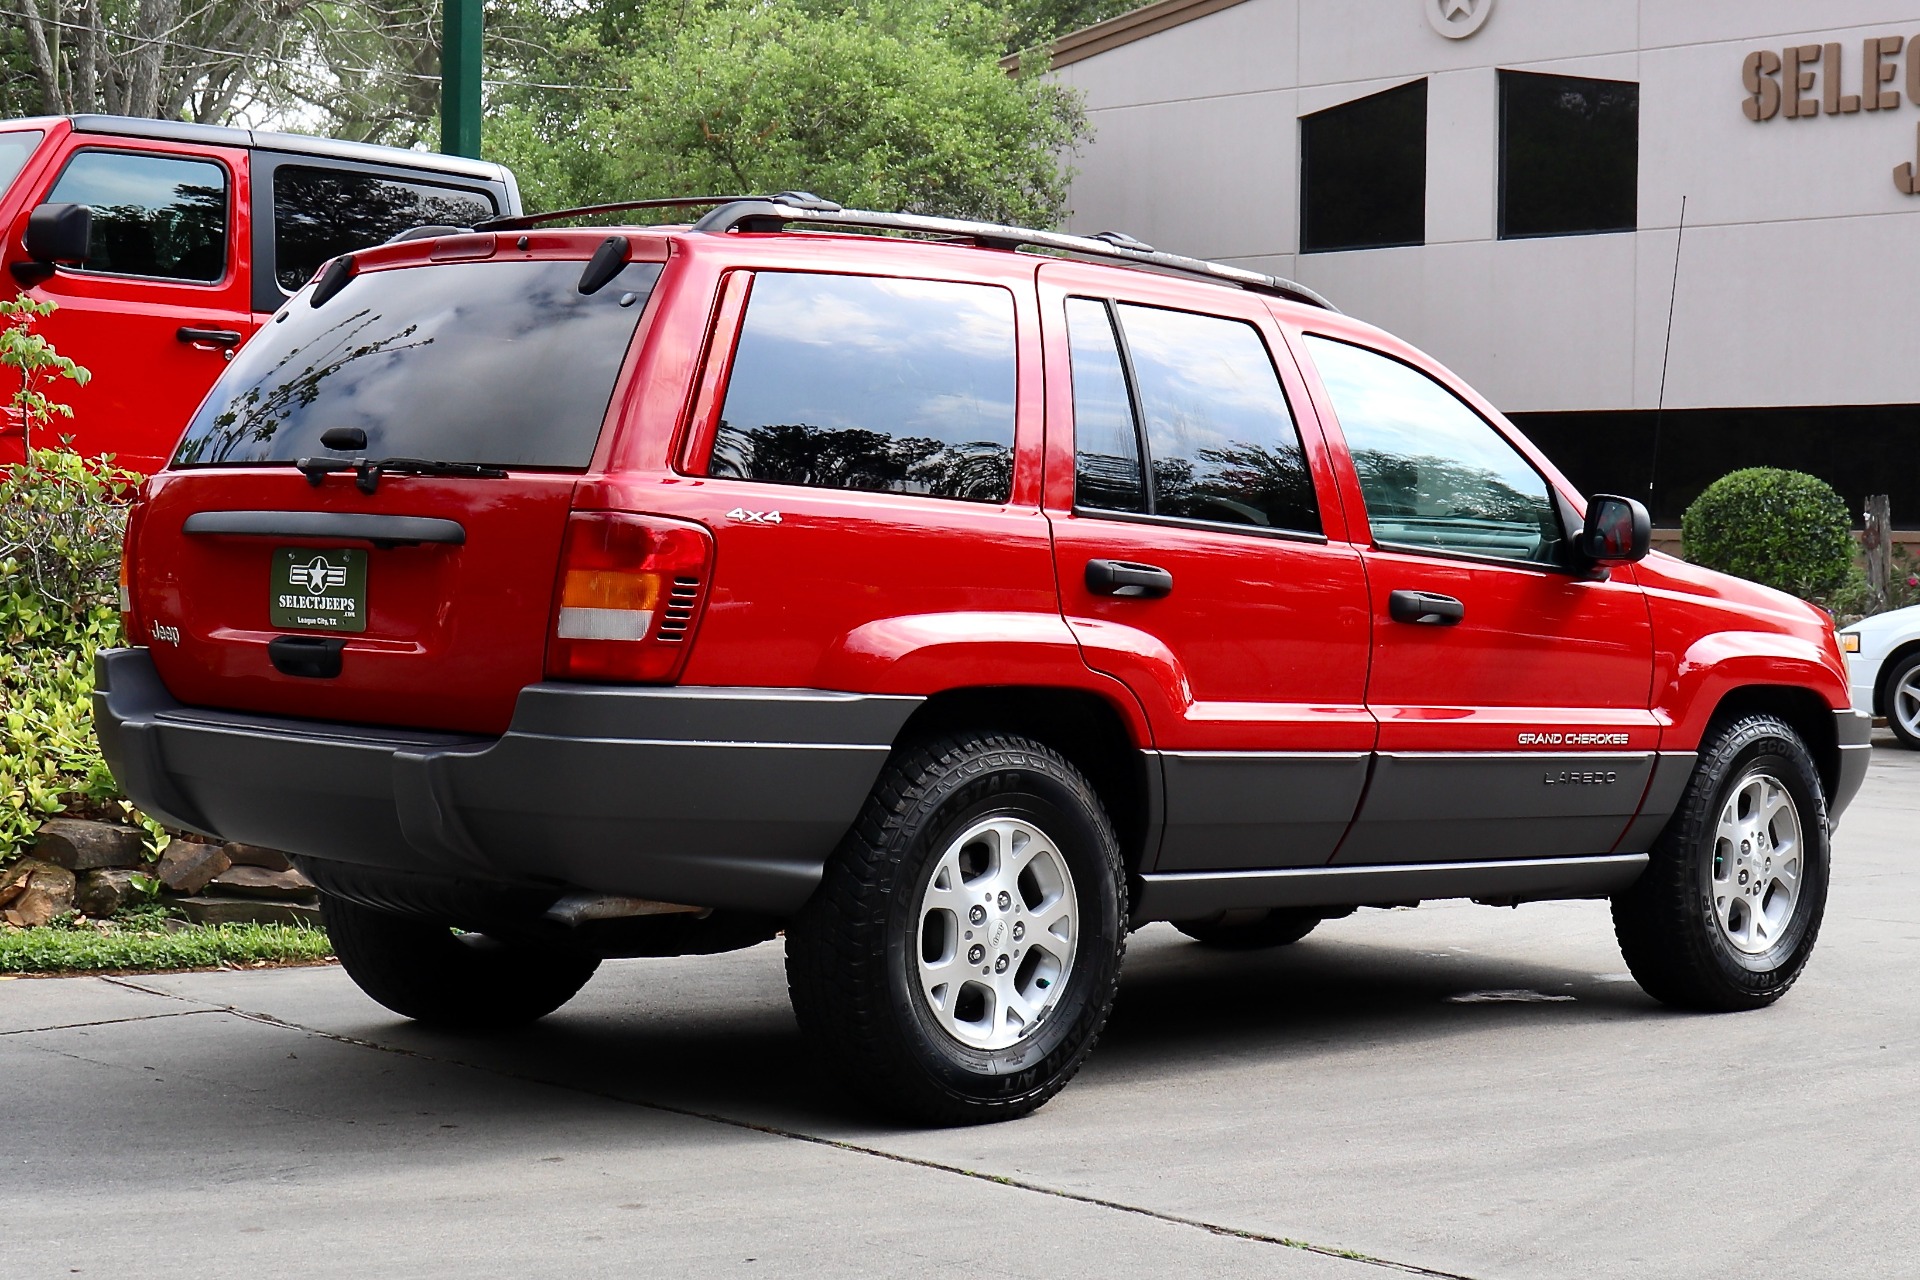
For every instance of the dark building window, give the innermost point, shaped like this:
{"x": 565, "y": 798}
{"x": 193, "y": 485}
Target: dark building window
{"x": 1363, "y": 172}
{"x": 1858, "y": 449}
{"x": 1569, "y": 155}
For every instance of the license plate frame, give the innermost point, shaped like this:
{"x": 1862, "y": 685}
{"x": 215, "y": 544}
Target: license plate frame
{"x": 318, "y": 589}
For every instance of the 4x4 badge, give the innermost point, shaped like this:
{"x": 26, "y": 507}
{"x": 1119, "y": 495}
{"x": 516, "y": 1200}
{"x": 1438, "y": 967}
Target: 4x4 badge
{"x": 754, "y": 517}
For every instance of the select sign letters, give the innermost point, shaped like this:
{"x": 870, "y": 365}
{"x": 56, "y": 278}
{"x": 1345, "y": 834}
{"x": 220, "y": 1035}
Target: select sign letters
{"x": 1809, "y": 79}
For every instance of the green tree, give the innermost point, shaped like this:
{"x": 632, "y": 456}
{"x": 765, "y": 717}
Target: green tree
{"x": 896, "y": 104}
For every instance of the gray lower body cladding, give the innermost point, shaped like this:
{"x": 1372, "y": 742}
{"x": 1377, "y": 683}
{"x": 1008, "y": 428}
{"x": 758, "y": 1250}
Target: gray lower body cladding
{"x": 724, "y": 798}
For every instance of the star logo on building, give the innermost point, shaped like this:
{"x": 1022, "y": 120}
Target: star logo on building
{"x": 1457, "y": 19}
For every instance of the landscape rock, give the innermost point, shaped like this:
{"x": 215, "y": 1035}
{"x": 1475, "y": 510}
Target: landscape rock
{"x": 259, "y": 882}
{"x": 79, "y": 844}
{"x": 13, "y": 881}
{"x": 106, "y": 891}
{"x": 188, "y": 866}
{"x": 49, "y": 892}
{"x": 253, "y": 855}
{"x": 247, "y": 911}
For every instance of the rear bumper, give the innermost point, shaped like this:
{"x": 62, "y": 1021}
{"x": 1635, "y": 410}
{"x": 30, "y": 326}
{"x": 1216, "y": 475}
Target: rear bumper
{"x": 724, "y": 798}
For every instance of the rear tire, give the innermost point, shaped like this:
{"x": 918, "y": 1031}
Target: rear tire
{"x": 1252, "y": 931}
{"x": 425, "y": 971}
{"x": 1726, "y": 914}
{"x": 1903, "y": 701}
{"x": 962, "y": 952}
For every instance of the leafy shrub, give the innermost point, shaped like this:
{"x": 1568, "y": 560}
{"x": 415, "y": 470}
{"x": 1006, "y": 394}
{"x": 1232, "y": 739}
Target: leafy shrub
{"x": 61, "y": 518}
{"x": 1784, "y": 529}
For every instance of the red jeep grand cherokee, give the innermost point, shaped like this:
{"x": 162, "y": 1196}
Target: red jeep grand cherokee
{"x": 560, "y": 594}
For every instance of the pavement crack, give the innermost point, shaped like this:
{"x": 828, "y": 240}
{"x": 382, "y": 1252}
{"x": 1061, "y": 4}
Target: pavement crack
{"x": 854, "y": 1148}
{"x": 105, "y": 1022}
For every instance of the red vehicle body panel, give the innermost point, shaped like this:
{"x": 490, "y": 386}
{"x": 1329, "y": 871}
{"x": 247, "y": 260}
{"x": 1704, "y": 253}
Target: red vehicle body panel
{"x": 149, "y": 375}
{"x": 136, "y": 412}
{"x": 1271, "y": 645}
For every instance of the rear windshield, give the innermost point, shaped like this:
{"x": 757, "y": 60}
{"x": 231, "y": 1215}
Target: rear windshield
{"x": 14, "y": 150}
{"x": 493, "y": 362}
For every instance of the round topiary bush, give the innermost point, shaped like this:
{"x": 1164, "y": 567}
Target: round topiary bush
{"x": 1785, "y": 529}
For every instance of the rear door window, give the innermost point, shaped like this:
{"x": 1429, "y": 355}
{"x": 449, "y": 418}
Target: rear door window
{"x": 15, "y": 150}
{"x": 163, "y": 217}
{"x": 883, "y": 385}
{"x": 1220, "y": 441}
{"x": 504, "y": 363}
{"x": 321, "y": 213}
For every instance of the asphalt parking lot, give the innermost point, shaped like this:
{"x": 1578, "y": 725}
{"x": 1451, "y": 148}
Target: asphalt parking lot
{"x": 1454, "y": 1091}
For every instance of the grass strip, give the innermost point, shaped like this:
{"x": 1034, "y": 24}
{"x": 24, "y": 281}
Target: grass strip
{"x": 88, "y": 948}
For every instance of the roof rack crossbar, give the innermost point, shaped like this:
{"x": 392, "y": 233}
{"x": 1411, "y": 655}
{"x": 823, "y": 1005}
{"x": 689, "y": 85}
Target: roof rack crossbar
{"x": 771, "y": 213}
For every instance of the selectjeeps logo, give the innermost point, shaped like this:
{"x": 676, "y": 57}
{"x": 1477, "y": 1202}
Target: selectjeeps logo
{"x": 319, "y": 590}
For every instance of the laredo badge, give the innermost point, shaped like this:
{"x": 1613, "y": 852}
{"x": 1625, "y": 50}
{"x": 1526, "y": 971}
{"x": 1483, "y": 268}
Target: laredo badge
{"x": 319, "y": 590}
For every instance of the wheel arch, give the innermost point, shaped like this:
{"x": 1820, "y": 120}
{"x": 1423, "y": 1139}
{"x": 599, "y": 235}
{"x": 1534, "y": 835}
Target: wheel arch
{"x": 1090, "y": 730}
{"x": 1803, "y": 709}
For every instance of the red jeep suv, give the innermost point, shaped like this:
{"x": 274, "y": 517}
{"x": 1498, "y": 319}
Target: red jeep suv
{"x": 955, "y": 598}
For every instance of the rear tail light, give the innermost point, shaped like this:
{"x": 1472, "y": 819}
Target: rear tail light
{"x": 629, "y": 593}
{"x": 129, "y": 619}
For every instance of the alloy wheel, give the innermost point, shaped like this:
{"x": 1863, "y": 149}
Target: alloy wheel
{"x": 1756, "y": 871}
{"x": 997, "y": 928}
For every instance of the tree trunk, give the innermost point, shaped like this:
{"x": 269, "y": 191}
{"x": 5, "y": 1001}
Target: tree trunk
{"x": 86, "y": 76}
{"x": 154, "y": 30}
{"x": 1877, "y": 538}
{"x": 45, "y": 69}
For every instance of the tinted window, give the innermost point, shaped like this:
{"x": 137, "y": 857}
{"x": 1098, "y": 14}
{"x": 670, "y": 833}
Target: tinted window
{"x": 500, "y": 362}
{"x": 322, "y": 213}
{"x": 15, "y": 148}
{"x": 1106, "y": 446}
{"x": 152, "y": 215}
{"x": 1569, "y": 155}
{"x": 852, "y": 382}
{"x": 1434, "y": 473}
{"x": 1222, "y": 442}
{"x": 1363, "y": 172}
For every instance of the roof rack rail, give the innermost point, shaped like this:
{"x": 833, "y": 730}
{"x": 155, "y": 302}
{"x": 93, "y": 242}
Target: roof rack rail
{"x": 524, "y": 221}
{"x": 773, "y": 213}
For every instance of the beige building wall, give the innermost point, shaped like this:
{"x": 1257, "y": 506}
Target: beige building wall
{"x": 1800, "y": 273}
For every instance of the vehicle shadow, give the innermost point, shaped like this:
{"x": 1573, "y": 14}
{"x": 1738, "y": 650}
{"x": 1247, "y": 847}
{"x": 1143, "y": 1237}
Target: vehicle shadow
{"x": 1181, "y": 1009}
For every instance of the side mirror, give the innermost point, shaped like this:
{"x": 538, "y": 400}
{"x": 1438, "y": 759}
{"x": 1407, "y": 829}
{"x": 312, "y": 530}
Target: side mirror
{"x": 59, "y": 233}
{"x": 1617, "y": 531}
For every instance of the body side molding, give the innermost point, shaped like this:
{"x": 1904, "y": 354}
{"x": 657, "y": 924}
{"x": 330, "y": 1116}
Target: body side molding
{"x": 1196, "y": 894}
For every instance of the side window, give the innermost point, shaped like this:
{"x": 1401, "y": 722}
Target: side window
{"x": 1106, "y": 444}
{"x": 1434, "y": 473}
{"x": 153, "y": 215}
{"x": 859, "y": 382}
{"x": 1221, "y": 443}
{"x": 322, "y": 213}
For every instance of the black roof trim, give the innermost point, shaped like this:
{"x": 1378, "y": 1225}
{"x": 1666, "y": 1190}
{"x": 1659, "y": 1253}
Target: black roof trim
{"x": 774, "y": 213}
{"x": 294, "y": 143}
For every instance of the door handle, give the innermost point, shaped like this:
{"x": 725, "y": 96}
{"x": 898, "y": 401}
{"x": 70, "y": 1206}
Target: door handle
{"x": 214, "y": 337}
{"x": 1426, "y": 607}
{"x": 1123, "y": 578}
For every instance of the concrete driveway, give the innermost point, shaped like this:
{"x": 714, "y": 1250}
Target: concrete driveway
{"x": 1452, "y": 1091}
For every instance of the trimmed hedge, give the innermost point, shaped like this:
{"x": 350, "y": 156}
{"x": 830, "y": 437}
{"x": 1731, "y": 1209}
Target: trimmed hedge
{"x": 1783, "y": 529}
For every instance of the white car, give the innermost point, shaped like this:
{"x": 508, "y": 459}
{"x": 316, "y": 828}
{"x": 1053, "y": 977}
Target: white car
{"x": 1883, "y": 669}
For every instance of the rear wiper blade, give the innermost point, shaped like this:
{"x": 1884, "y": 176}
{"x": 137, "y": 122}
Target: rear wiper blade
{"x": 367, "y": 471}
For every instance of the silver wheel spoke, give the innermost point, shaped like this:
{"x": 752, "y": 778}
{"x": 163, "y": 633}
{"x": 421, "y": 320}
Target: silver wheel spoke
{"x": 1754, "y": 879}
{"x": 991, "y": 966}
